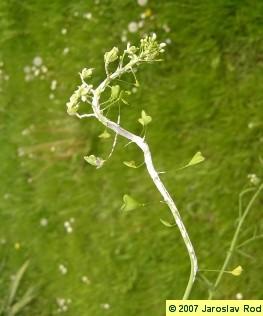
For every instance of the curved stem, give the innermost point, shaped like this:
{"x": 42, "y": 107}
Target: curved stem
{"x": 140, "y": 142}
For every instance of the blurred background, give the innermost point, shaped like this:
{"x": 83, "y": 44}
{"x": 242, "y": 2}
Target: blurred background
{"x": 86, "y": 257}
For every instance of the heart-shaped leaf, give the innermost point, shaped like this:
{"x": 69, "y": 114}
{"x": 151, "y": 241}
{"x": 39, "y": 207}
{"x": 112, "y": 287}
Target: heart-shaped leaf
{"x": 105, "y": 135}
{"x": 167, "y": 224}
{"x": 130, "y": 164}
{"x": 237, "y": 271}
{"x": 144, "y": 119}
{"x": 94, "y": 161}
{"x": 197, "y": 158}
{"x": 129, "y": 203}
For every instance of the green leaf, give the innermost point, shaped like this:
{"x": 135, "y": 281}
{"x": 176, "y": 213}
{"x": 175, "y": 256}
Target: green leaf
{"x": 144, "y": 119}
{"x": 21, "y": 303}
{"x": 130, "y": 164}
{"x": 105, "y": 135}
{"x": 197, "y": 158}
{"x": 237, "y": 271}
{"x": 94, "y": 161}
{"x": 16, "y": 282}
{"x": 129, "y": 203}
{"x": 167, "y": 224}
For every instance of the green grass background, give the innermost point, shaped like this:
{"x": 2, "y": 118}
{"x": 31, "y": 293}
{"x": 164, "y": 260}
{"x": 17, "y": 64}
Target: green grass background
{"x": 203, "y": 97}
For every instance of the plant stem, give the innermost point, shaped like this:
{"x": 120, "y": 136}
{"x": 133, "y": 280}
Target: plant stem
{"x": 140, "y": 142}
{"x": 234, "y": 241}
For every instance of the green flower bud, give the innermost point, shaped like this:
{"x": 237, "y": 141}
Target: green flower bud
{"x": 72, "y": 108}
{"x": 111, "y": 56}
{"x": 86, "y": 73}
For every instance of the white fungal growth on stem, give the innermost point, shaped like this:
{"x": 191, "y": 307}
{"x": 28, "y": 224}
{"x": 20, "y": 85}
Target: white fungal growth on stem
{"x": 148, "y": 51}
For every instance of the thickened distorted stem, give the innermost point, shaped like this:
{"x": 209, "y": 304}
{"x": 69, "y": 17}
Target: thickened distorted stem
{"x": 140, "y": 142}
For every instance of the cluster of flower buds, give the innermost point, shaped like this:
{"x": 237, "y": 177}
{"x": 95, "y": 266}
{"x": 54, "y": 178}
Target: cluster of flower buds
{"x": 131, "y": 51}
{"x": 82, "y": 92}
{"x": 111, "y": 56}
{"x": 150, "y": 48}
{"x": 86, "y": 73}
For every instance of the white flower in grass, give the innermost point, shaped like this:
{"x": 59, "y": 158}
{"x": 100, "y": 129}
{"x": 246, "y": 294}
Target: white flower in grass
{"x": 64, "y": 31}
{"x": 142, "y": 3}
{"x": 65, "y": 51}
{"x": 36, "y": 72}
{"x": 44, "y": 69}
{"x": 124, "y": 38}
{"x": 43, "y": 222}
{"x": 166, "y": 28}
{"x": 87, "y": 15}
{"x": 63, "y": 270}
{"x": 239, "y": 296}
{"x": 85, "y": 279}
{"x": 68, "y": 227}
{"x": 37, "y": 61}
{"x": 133, "y": 27}
{"x": 27, "y": 69}
{"x": 53, "y": 85}
{"x": 28, "y": 77}
{"x": 134, "y": 90}
{"x": 253, "y": 178}
{"x": 105, "y": 306}
{"x": 141, "y": 24}
{"x": 63, "y": 304}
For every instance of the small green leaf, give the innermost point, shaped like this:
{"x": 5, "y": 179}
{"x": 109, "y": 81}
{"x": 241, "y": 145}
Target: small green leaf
{"x": 129, "y": 203}
{"x": 198, "y": 157}
{"x": 105, "y": 135}
{"x": 130, "y": 164}
{"x": 144, "y": 119}
{"x": 94, "y": 161}
{"x": 167, "y": 224}
{"x": 237, "y": 271}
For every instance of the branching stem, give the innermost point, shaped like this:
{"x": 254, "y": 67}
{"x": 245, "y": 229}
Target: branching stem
{"x": 140, "y": 142}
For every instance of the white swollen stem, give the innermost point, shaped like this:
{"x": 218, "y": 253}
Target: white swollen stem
{"x": 148, "y": 52}
{"x": 140, "y": 142}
